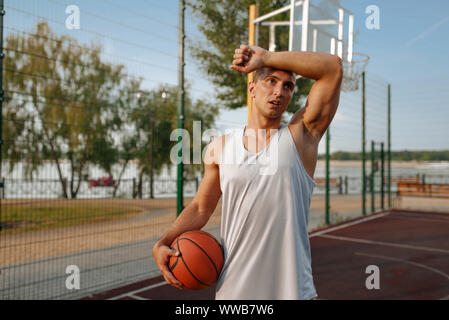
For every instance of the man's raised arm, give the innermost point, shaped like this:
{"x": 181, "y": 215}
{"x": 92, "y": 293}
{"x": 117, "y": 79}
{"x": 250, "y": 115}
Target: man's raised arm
{"x": 326, "y": 69}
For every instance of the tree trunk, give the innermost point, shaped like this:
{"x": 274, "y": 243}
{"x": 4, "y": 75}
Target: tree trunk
{"x": 71, "y": 174}
{"x": 80, "y": 171}
{"x": 58, "y": 166}
{"x": 139, "y": 185}
{"x": 120, "y": 178}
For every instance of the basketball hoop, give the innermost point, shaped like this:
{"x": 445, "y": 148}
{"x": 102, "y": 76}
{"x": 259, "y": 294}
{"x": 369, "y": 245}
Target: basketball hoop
{"x": 352, "y": 71}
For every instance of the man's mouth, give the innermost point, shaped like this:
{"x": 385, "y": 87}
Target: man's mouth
{"x": 275, "y": 102}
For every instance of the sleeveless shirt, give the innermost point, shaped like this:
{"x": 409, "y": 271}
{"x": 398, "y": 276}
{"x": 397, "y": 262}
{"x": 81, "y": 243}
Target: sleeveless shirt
{"x": 265, "y": 214}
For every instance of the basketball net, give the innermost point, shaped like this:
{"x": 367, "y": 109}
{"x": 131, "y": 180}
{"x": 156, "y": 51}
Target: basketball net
{"x": 352, "y": 70}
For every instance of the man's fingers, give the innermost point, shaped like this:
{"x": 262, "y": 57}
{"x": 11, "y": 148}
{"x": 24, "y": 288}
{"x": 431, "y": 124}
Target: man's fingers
{"x": 173, "y": 253}
{"x": 163, "y": 257}
{"x": 170, "y": 278}
{"x": 241, "y": 51}
{"x": 244, "y": 57}
{"x": 245, "y": 49}
{"x": 238, "y": 68}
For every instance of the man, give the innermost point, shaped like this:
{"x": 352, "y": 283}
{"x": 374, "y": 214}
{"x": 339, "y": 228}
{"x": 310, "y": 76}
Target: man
{"x": 265, "y": 215}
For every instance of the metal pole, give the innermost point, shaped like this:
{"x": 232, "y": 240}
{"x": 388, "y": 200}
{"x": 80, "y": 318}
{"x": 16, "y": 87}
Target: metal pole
{"x": 363, "y": 147}
{"x": 372, "y": 177}
{"x": 151, "y": 151}
{"x": 2, "y": 95}
{"x": 291, "y": 25}
{"x": 382, "y": 173}
{"x": 389, "y": 147}
{"x": 341, "y": 17}
{"x": 327, "y": 176}
{"x": 350, "y": 37}
{"x": 251, "y": 42}
{"x": 305, "y": 25}
{"x": 180, "y": 111}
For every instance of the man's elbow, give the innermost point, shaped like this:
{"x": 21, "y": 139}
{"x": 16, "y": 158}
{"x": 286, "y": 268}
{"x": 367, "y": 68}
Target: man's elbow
{"x": 337, "y": 68}
{"x": 333, "y": 69}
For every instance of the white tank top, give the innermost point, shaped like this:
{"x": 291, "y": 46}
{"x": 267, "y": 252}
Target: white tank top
{"x": 265, "y": 214}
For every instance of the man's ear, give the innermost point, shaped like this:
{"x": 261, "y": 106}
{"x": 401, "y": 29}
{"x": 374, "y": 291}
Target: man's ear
{"x": 251, "y": 89}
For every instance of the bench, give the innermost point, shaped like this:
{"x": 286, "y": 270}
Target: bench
{"x": 405, "y": 180}
{"x": 431, "y": 190}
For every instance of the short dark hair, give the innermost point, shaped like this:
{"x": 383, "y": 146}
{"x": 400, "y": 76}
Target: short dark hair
{"x": 262, "y": 73}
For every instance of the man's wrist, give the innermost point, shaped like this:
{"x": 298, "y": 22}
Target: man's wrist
{"x": 266, "y": 58}
{"x": 160, "y": 243}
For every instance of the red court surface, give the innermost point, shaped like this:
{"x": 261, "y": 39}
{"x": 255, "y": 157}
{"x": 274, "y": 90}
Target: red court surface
{"x": 410, "y": 249}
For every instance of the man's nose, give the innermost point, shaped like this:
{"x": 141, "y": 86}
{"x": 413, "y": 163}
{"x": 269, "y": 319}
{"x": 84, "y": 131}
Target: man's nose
{"x": 277, "y": 90}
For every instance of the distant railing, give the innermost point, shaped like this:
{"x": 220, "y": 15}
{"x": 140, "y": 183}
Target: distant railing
{"x": 126, "y": 188}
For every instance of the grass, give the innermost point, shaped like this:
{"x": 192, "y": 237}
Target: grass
{"x": 45, "y": 215}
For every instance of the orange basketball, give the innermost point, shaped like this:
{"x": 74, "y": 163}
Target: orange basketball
{"x": 200, "y": 260}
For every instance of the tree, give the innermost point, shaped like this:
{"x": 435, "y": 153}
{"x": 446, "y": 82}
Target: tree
{"x": 156, "y": 114}
{"x": 63, "y": 102}
{"x": 225, "y": 26}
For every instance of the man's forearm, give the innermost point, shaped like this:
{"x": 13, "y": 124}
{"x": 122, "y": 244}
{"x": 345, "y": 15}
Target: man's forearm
{"x": 312, "y": 65}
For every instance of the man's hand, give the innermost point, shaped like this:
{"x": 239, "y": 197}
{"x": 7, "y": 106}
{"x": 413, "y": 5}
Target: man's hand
{"x": 249, "y": 58}
{"x": 162, "y": 254}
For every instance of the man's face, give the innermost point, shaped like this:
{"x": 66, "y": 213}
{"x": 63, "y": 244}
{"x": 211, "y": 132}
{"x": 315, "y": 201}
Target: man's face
{"x": 272, "y": 93}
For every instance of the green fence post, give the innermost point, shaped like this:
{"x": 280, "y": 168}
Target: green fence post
{"x": 2, "y": 95}
{"x": 372, "y": 178}
{"x": 180, "y": 111}
{"x": 363, "y": 148}
{"x": 389, "y": 147}
{"x": 346, "y": 184}
{"x": 382, "y": 173}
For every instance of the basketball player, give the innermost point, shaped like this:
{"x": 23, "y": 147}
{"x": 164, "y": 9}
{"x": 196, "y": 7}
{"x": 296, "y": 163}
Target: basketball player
{"x": 265, "y": 213}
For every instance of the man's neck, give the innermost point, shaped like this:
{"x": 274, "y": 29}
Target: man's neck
{"x": 264, "y": 124}
{"x": 261, "y": 131}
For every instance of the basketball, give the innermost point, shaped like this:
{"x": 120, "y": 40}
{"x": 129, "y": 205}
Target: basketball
{"x": 199, "y": 263}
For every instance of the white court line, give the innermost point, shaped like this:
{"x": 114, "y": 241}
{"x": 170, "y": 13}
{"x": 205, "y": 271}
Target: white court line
{"x": 397, "y": 245}
{"x": 319, "y": 233}
{"x": 137, "y": 297}
{"x": 416, "y": 217}
{"x": 139, "y": 290}
{"x": 408, "y": 262}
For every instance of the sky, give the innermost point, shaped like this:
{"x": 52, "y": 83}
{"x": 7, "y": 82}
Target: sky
{"x": 408, "y": 51}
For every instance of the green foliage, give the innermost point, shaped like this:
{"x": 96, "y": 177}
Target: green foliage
{"x": 404, "y": 155}
{"x": 63, "y": 102}
{"x": 161, "y": 113}
{"x": 225, "y": 26}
